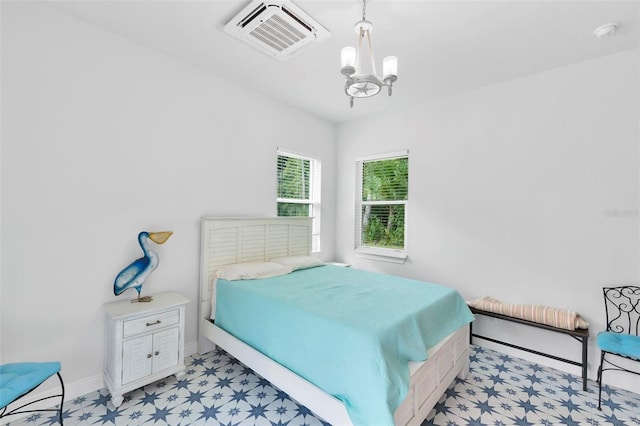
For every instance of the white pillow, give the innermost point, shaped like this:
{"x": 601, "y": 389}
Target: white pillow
{"x": 299, "y": 262}
{"x": 252, "y": 270}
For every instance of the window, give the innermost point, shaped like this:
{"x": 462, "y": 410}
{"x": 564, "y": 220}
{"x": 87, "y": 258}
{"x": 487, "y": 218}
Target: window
{"x": 299, "y": 190}
{"x": 381, "y": 204}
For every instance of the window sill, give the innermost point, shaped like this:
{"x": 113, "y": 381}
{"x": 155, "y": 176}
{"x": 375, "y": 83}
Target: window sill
{"x": 380, "y": 254}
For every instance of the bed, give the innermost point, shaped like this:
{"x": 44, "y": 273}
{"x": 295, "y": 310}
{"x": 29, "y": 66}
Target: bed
{"x": 227, "y": 241}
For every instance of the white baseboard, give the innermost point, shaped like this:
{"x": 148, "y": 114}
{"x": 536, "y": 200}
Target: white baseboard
{"x": 74, "y": 390}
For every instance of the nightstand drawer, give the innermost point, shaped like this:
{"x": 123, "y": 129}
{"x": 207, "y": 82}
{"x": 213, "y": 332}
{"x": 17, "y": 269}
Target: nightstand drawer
{"x": 150, "y": 323}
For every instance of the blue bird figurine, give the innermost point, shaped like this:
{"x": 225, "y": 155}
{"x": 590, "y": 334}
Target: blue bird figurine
{"x": 134, "y": 275}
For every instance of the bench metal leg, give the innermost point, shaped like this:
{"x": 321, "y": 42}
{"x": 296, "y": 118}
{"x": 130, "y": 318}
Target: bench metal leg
{"x": 585, "y": 344}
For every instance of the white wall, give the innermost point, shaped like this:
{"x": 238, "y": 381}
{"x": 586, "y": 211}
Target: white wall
{"x": 103, "y": 138}
{"x": 526, "y": 191}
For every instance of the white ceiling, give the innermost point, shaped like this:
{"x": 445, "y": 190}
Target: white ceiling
{"x": 443, "y": 47}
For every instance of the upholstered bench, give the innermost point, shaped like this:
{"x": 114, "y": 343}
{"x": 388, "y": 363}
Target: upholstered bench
{"x": 580, "y": 334}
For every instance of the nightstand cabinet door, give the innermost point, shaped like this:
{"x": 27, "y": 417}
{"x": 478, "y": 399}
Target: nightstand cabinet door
{"x": 165, "y": 349}
{"x": 136, "y": 358}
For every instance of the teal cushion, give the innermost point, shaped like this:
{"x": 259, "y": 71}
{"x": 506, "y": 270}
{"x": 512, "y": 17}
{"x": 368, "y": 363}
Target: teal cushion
{"x": 19, "y": 378}
{"x": 617, "y": 343}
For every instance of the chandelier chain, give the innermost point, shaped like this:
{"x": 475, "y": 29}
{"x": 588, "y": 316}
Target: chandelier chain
{"x": 364, "y": 10}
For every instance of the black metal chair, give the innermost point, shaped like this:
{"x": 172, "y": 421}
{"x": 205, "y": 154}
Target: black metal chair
{"x": 20, "y": 379}
{"x": 621, "y": 339}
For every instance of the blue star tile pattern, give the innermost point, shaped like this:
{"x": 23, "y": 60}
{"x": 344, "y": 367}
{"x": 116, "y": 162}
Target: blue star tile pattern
{"x": 505, "y": 390}
{"x": 500, "y": 390}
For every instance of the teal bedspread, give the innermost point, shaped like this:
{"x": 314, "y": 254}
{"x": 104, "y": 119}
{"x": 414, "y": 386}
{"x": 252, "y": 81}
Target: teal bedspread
{"x": 348, "y": 331}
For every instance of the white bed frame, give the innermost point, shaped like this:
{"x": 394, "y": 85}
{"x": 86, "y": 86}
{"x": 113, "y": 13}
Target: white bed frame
{"x": 236, "y": 240}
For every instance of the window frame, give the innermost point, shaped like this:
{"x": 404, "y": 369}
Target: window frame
{"x": 394, "y": 255}
{"x": 314, "y": 200}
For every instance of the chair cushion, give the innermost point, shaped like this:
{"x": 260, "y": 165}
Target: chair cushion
{"x": 19, "y": 378}
{"x": 617, "y": 343}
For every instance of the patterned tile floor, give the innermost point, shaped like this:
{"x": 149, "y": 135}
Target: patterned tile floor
{"x": 219, "y": 390}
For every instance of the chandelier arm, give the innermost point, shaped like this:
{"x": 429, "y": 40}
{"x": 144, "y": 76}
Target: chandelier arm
{"x": 371, "y": 58}
{"x": 359, "y": 52}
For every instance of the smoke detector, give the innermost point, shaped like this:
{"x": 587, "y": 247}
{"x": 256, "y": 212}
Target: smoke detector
{"x": 277, "y": 28}
{"x": 606, "y": 30}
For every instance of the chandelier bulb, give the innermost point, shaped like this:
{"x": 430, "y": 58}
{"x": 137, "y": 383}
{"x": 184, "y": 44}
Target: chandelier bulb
{"x": 348, "y": 61}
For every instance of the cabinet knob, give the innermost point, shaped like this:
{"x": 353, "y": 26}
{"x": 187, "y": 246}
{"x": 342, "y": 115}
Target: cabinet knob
{"x": 149, "y": 355}
{"x": 157, "y": 353}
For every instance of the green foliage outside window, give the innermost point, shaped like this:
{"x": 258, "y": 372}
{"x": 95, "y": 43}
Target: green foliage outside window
{"x": 293, "y": 209}
{"x": 384, "y": 180}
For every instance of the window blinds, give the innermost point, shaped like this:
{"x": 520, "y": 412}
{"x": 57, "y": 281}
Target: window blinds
{"x": 298, "y": 192}
{"x": 382, "y": 189}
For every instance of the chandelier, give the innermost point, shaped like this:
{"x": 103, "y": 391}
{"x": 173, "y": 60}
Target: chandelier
{"x": 359, "y": 84}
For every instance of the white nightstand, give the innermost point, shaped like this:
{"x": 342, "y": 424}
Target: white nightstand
{"x": 145, "y": 342}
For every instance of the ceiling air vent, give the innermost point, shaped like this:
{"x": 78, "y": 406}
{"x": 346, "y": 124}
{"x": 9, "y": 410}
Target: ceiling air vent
{"x": 278, "y": 28}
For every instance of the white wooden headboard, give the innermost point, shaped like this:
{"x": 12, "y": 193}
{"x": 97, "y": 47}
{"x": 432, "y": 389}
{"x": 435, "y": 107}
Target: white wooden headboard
{"x": 227, "y": 240}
